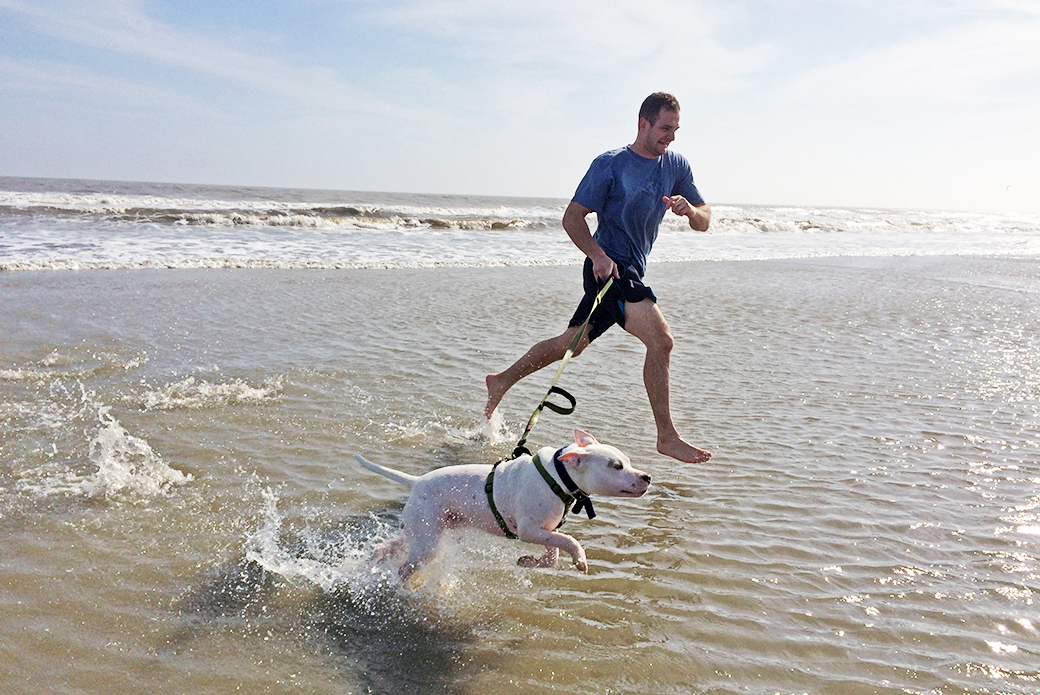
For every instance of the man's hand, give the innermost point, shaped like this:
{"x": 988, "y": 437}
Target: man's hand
{"x": 603, "y": 268}
{"x": 699, "y": 216}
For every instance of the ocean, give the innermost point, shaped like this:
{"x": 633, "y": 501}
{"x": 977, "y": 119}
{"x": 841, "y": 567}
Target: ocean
{"x": 186, "y": 372}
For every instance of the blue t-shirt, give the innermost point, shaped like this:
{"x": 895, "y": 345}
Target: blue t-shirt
{"x": 625, "y": 191}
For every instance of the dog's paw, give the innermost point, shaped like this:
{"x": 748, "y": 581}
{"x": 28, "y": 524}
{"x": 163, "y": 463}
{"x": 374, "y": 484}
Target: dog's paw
{"x": 413, "y": 576}
{"x": 548, "y": 559}
{"x": 580, "y": 561}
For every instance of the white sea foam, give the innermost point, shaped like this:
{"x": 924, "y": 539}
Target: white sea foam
{"x": 268, "y": 210}
{"x": 149, "y": 226}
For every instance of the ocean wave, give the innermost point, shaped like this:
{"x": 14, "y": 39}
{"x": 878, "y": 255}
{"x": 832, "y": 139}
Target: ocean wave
{"x": 317, "y": 219}
{"x": 477, "y": 216}
{"x": 222, "y": 213}
{"x": 151, "y": 226}
{"x": 666, "y": 254}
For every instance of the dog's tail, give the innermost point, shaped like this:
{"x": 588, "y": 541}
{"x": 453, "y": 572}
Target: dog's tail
{"x": 396, "y": 476}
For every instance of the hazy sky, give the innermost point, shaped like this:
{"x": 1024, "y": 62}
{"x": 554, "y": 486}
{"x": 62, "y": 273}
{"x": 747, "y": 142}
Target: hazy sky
{"x": 879, "y": 103}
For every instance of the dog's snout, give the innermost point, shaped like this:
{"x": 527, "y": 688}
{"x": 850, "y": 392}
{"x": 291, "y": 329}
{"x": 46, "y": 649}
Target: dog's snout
{"x": 646, "y": 477}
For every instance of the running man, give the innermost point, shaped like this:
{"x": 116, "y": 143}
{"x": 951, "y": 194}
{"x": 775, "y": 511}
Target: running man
{"x": 630, "y": 189}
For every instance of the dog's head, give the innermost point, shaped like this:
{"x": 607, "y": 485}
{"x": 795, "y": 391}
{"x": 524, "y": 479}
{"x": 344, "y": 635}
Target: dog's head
{"x": 600, "y": 469}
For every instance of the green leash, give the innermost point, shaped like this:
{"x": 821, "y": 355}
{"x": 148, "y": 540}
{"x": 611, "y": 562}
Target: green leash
{"x": 553, "y": 388}
{"x": 562, "y": 410}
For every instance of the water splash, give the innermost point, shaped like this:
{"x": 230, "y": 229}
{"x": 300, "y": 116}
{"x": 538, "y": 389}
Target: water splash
{"x": 121, "y": 464}
{"x": 496, "y": 431}
{"x": 127, "y": 464}
{"x": 194, "y": 394}
{"x": 328, "y": 561}
{"x": 450, "y": 431}
{"x": 355, "y": 559}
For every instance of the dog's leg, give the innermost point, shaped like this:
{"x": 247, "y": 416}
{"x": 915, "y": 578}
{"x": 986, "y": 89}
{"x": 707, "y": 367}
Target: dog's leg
{"x": 412, "y": 565}
{"x": 423, "y": 534}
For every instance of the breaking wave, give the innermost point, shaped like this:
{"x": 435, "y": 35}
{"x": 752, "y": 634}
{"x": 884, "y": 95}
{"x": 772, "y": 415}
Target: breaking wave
{"x": 54, "y": 225}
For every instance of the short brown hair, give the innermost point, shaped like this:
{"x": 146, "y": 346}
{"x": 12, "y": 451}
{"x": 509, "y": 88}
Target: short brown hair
{"x": 653, "y": 104}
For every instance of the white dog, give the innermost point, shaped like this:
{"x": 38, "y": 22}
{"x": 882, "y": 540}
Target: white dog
{"x": 525, "y": 498}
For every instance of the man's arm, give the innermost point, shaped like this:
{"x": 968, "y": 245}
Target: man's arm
{"x": 578, "y": 230}
{"x": 700, "y": 215}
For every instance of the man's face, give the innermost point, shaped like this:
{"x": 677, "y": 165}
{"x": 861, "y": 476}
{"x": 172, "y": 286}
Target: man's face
{"x": 657, "y": 137}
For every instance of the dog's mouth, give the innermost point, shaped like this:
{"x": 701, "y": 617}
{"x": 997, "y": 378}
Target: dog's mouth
{"x": 634, "y": 492}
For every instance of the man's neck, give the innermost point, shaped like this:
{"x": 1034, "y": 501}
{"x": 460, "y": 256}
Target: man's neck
{"x": 641, "y": 151}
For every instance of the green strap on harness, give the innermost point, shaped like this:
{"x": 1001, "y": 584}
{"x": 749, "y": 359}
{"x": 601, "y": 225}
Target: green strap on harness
{"x": 553, "y": 388}
{"x": 489, "y": 488}
{"x": 566, "y": 498}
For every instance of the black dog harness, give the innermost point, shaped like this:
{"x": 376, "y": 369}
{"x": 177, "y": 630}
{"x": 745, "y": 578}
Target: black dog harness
{"x": 573, "y": 494}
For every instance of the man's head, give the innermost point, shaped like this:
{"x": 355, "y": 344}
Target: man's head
{"x": 658, "y": 121}
{"x": 652, "y": 105}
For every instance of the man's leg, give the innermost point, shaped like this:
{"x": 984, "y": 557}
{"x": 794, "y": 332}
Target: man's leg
{"x": 645, "y": 321}
{"x": 541, "y": 355}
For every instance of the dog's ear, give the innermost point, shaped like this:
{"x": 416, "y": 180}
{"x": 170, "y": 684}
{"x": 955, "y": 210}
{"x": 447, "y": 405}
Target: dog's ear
{"x": 572, "y": 458}
{"x": 584, "y": 438}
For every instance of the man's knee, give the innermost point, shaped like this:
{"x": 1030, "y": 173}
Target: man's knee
{"x": 644, "y": 320}
{"x": 567, "y": 338}
{"x": 661, "y": 342}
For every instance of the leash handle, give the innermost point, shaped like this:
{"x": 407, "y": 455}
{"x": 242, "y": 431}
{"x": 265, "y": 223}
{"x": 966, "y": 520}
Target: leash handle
{"x": 561, "y": 409}
{"x": 546, "y": 403}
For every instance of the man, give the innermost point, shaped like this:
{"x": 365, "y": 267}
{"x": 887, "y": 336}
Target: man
{"x": 630, "y": 189}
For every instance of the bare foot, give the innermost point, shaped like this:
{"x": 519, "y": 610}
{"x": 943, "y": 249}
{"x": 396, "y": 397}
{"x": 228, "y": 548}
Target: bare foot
{"x": 496, "y": 390}
{"x": 679, "y": 449}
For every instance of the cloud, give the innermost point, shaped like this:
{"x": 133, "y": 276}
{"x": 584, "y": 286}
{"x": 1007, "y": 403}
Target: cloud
{"x": 124, "y": 27}
{"x": 606, "y": 41}
{"x": 65, "y": 82}
{"x": 530, "y": 58}
{"x": 987, "y": 61}
{"x": 799, "y": 101}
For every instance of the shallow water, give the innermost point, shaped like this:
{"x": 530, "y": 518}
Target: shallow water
{"x": 179, "y": 510}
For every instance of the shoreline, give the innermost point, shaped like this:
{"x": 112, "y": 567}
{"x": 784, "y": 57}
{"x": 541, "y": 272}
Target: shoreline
{"x": 66, "y": 265}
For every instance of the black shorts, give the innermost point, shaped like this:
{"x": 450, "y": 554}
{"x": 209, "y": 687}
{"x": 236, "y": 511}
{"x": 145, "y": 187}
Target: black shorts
{"x": 611, "y": 309}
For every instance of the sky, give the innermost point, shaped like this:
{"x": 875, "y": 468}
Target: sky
{"x": 925, "y": 104}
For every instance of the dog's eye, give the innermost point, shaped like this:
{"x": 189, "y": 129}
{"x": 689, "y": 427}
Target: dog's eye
{"x": 617, "y": 465}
